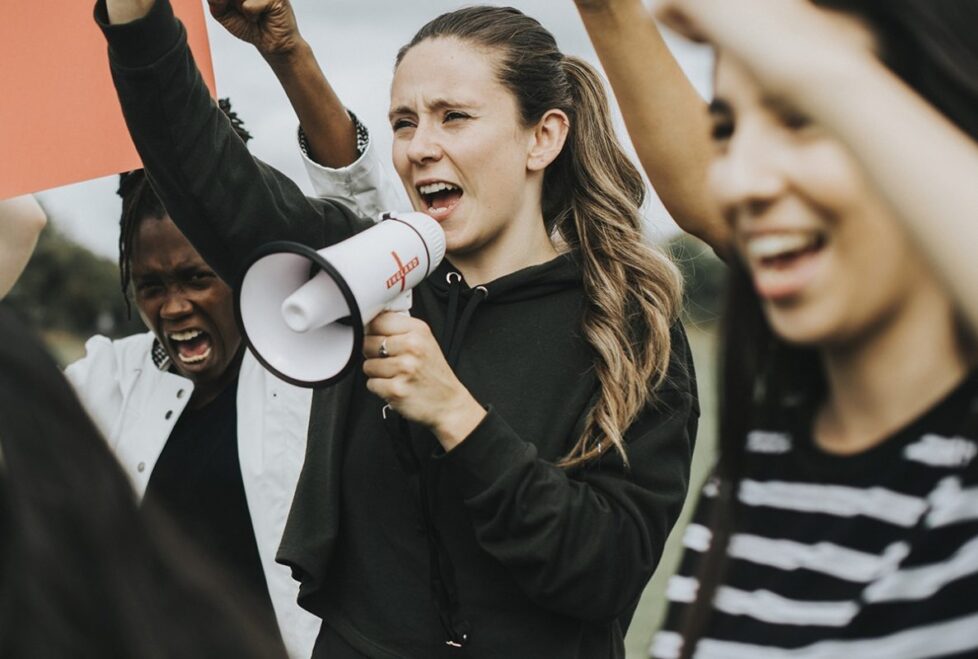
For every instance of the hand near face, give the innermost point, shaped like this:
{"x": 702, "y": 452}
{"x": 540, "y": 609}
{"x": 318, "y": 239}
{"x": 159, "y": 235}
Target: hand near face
{"x": 269, "y": 25}
{"x": 415, "y": 379}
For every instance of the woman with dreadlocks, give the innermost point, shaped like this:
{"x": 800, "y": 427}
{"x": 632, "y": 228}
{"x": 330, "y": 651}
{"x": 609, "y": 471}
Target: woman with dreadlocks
{"x": 204, "y": 432}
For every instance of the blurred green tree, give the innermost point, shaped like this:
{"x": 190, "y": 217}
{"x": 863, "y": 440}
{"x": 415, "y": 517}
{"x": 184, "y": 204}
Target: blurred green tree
{"x": 68, "y": 289}
{"x": 705, "y": 278}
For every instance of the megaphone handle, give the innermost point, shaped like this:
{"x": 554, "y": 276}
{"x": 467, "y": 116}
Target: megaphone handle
{"x": 401, "y": 304}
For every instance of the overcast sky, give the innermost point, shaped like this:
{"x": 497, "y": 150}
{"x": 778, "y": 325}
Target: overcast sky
{"x": 355, "y": 41}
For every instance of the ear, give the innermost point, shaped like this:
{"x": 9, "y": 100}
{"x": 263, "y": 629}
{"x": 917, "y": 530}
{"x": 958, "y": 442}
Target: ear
{"x": 548, "y": 140}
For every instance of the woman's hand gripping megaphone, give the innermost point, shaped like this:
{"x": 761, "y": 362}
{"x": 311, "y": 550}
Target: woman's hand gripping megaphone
{"x": 416, "y": 380}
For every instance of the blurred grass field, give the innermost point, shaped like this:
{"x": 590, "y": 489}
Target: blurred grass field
{"x": 651, "y": 608}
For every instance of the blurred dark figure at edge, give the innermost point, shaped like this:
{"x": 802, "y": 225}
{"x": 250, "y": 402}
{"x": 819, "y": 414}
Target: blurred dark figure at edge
{"x": 83, "y": 572}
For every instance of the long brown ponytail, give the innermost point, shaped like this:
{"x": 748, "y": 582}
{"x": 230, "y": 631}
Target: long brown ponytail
{"x": 591, "y": 199}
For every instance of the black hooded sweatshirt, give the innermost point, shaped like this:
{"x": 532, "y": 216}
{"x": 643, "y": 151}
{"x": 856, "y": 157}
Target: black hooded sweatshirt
{"x": 399, "y": 546}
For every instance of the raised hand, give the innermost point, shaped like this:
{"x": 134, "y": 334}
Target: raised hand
{"x": 269, "y": 25}
{"x": 406, "y": 367}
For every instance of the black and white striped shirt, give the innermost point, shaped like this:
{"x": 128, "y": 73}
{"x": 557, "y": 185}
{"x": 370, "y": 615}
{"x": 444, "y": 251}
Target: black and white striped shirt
{"x": 872, "y": 555}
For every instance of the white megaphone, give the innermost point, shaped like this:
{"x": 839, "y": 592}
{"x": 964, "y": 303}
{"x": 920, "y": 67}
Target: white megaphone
{"x": 303, "y": 311}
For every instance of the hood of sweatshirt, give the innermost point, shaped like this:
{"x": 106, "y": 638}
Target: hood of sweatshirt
{"x": 534, "y": 282}
{"x": 561, "y": 272}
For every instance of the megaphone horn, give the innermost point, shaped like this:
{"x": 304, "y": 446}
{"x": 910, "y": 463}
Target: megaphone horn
{"x": 303, "y": 311}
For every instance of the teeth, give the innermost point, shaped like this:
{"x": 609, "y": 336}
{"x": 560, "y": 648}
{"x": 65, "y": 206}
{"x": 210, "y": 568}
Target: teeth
{"x": 196, "y": 358}
{"x": 774, "y": 245}
{"x": 432, "y": 188}
{"x": 187, "y": 335}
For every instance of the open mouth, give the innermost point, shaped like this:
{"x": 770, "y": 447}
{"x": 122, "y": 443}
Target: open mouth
{"x": 782, "y": 250}
{"x": 192, "y": 346}
{"x": 440, "y": 198}
{"x": 783, "y": 264}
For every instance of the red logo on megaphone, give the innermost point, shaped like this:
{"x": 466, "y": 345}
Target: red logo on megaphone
{"x": 402, "y": 270}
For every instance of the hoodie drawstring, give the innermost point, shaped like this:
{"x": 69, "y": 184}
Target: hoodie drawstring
{"x": 454, "y": 332}
{"x": 454, "y": 288}
{"x": 479, "y": 293}
{"x": 422, "y": 476}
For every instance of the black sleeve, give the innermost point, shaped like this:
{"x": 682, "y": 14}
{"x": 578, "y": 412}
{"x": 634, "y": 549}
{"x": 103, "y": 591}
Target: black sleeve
{"x": 583, "y": 544}
{"x": 224, "y": 200}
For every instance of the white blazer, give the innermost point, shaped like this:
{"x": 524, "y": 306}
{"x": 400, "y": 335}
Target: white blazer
{"x": 136, "y": 405}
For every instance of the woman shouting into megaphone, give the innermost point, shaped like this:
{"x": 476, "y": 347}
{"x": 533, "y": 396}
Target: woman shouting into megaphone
{"x": 509, "y": 488}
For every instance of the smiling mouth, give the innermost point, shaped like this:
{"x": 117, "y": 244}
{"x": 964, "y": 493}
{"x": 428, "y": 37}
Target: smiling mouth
{"x": 440, "y": 198}
{"x": 782, "y": 250}
{"x": 192, "y": 346}
{"x": 784, "y": 264}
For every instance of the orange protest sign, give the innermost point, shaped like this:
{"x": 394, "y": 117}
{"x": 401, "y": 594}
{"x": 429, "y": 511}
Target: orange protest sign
{"x": 60, "y": 120}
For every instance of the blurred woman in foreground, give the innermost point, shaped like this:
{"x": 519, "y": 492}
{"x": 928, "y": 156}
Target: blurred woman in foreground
{"x": 83, "y": 573}
{"x": 841, "y": 519}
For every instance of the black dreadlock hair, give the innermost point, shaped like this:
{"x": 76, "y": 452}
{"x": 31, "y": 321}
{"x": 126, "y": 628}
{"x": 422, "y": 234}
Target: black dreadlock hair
{"x": 140, "y": 202}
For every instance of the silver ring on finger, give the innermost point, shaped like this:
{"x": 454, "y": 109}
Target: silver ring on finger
{"x": 383, "y": 348}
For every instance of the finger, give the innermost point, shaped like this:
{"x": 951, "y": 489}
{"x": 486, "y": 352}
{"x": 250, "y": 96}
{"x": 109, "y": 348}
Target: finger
{"x": 417, "y": 343}
{"x": 372, "y": 343}
{"x": 381, "y": 368}
{"x": 376, "y": 387}
{"x": 253, "y": 9}
{"x": 390, "y": 389}
{"x": 389, "y": 323}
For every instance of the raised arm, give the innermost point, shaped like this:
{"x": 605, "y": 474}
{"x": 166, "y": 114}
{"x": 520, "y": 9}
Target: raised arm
{"x": 21, "y": 222}
{"x": 336, "y": 149}
{"x": 919, "y": 161}
{"x": 270, "y": 26}
{"x": 665, "y": 116}
{"x": 224, "y": 200}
